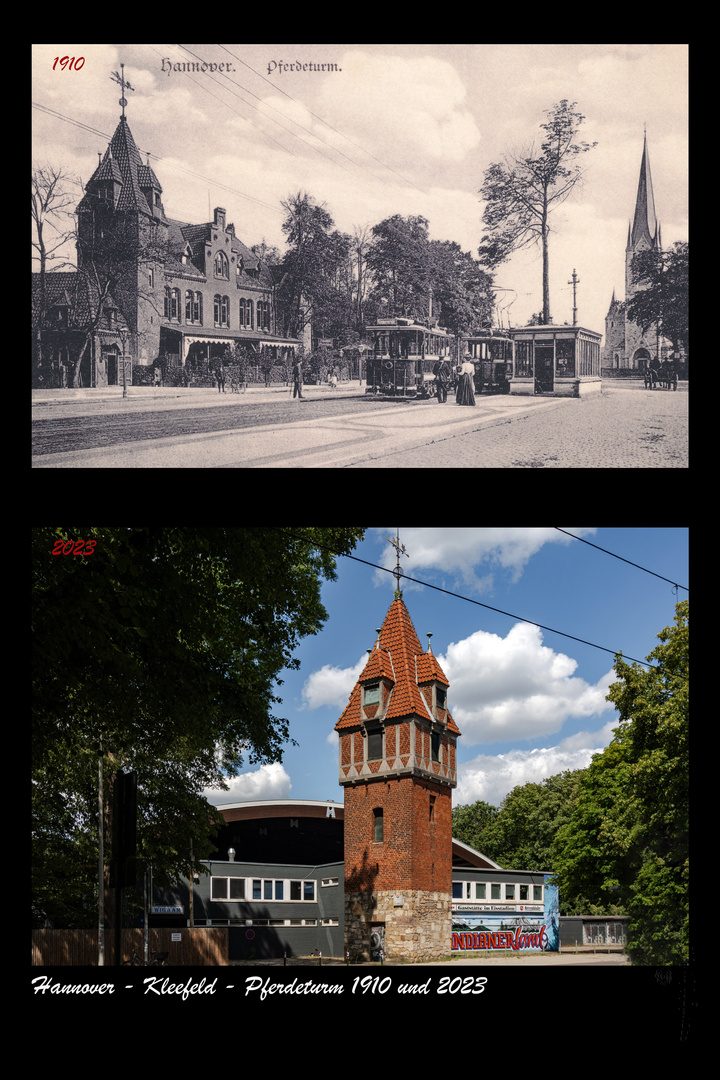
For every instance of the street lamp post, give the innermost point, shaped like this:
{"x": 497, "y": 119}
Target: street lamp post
{"x": 123, "y": 336}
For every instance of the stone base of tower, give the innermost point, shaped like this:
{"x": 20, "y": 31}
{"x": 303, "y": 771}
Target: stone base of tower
{"x": 411, "y": 924}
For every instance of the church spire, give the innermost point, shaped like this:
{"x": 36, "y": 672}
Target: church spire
{"x": 644, "y": 230}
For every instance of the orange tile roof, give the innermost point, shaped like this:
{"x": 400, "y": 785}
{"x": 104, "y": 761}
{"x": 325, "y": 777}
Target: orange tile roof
{"x": 398, "y": 656}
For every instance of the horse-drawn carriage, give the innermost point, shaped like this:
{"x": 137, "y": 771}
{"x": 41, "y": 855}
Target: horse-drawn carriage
{"x": 664, "y": 377}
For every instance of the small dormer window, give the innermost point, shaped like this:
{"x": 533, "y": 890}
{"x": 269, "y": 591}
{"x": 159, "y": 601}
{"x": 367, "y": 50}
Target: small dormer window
{"x": 441, "y": 697}
{"x": 372, "y": 695}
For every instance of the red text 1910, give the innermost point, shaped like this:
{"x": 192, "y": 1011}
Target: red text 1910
{"x": 69, "y": 62}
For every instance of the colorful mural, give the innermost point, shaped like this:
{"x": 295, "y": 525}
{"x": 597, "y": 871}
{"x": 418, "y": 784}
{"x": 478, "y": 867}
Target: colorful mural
{"x": 525, "y": 928}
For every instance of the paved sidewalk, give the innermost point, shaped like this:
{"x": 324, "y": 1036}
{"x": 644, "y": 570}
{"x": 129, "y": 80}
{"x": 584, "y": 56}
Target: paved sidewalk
{"x": 82, "y": 402}
{"x": 321, "y": 442}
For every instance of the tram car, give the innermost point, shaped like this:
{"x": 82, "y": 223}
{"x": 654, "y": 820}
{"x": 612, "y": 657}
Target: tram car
{"x": 401, "y": 360}
{"x": 492, "y": 356}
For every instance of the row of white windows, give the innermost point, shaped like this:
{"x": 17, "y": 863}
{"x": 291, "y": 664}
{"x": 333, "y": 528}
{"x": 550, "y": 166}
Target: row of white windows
{"x": 267, "y": 922}
{"x": 483, "y": 890}
{"x": 221, "y": 310}
{"x": 290, "y": 889}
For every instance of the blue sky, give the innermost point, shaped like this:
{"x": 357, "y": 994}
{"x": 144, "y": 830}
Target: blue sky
{"x": 529, "y": 703}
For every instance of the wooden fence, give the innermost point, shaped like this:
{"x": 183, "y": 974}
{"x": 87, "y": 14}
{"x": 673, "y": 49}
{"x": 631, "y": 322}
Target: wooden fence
{"x": 201, "y": 945}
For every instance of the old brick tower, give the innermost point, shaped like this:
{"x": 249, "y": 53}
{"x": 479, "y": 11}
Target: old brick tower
{"x": 398, "y": 767}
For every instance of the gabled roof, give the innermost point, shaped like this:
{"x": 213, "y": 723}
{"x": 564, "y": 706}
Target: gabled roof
{"x": 75, "y": 291}
{"x": 399, "y": 657}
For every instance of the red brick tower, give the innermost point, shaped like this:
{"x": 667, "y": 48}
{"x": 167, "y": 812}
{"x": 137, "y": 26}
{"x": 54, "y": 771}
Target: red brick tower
{"x": 398, "y": 767}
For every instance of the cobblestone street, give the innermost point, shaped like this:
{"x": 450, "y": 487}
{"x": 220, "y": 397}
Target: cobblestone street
{"x": 625, "y": 427}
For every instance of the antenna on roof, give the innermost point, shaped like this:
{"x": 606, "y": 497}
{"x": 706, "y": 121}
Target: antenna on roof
{"x": 399, "y": 550}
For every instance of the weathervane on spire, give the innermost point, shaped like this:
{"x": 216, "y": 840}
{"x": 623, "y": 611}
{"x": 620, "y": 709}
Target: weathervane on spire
{"x": 399, "y": 550}
{"x": 121, "y": 81}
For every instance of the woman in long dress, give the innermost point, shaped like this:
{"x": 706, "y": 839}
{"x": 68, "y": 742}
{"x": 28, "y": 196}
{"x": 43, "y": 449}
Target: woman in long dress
{"x": 465, "y": 394}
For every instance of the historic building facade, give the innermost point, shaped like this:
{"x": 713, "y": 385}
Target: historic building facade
{"x": 183, "y": 292}
{"x": 627, "y": 347}
{"x": 398, "y": 767}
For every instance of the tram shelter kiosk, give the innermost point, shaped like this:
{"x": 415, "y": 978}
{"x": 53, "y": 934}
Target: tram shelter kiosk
{"x": 560, "y": 360}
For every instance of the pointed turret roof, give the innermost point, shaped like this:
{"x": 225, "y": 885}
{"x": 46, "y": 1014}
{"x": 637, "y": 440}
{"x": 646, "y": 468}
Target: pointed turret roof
{"x": 122, "y": 163}
{"x": 644, "y": 227}
{"x": 399, "y": 657}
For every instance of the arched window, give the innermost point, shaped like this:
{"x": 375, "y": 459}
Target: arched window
{"x": 263, "y": 315}
{"x": 193, "y": 307}
{"x": 222, "y": 310}
{"x": 172, "y": 304}
{"x": 222, "y": 268}
{"x": 246, "y": 313}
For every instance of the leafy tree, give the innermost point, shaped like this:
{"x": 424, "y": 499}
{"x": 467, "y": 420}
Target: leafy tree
{"x": 629, "y": 832}
{"x": 469, "y": 823}
{"x": 462, "y": 290}
{"x": 521, "y": 836}
{"x": 662, "y": 299}
{"x": 314, "y": 266}
{"x": 399, "y": 261}
{"x": 161, "y": 652}
{"x": 521, "y": 191}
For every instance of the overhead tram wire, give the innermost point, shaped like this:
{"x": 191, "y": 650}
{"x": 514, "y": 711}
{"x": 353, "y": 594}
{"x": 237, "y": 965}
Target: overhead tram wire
{"x": 636, "y": 565}
{"x": 478, "y": 603}
{"x": 313, "y": 134}
{"x": 229, "y": 106}
{"x": 155, "y": 157}
{"x": 316, "y": 117}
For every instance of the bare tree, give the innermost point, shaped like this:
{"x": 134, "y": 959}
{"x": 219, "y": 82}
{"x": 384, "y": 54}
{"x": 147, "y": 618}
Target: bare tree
{"x": 52, "y": 214}
{"x": 522, "y": 190}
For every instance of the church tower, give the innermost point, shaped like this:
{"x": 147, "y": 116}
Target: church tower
{"x": 626, "y": 346}
{"x": 398, "y": 767}
{"x": 122, "y": 236}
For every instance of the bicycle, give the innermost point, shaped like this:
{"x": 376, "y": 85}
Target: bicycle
{"x": 159, "y": 960}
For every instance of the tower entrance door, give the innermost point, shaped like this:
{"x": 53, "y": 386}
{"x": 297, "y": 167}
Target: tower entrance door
{"x": 544, "y": 368}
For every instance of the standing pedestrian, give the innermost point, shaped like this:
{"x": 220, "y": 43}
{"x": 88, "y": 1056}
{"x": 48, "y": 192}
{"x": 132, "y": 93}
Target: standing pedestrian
{"x": 466, "y": 392}
{"x": 220, "y": 376}
{"x": 298, "y": 379}
{"x": 441, "y": 372}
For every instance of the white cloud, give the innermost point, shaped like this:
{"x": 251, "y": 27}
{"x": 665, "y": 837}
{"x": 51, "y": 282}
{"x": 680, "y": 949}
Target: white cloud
{"x": 331, "y": 685}
{"x": 403, "y": 106}
{"x": 516, "y": 687}
{"x": 267, "y": 782}
{"x": 462, "y": 551}
{"x": 491, "y": 778}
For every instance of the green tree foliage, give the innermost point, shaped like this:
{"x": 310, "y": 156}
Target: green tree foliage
{"x": 521, "y": 191}
{"x": 628, "y": 835}
{"x": 164, "y": 647}
{"x": 520, "y": 836}
{"x": 469, "y": 823}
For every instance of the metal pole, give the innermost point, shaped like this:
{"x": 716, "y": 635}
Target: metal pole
{"x": 101, "y": 868}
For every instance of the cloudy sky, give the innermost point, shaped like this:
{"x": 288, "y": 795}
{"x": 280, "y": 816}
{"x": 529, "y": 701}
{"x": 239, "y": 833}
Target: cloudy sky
{"x": 529, "y": 702}
{"x": 392, "y": 129}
